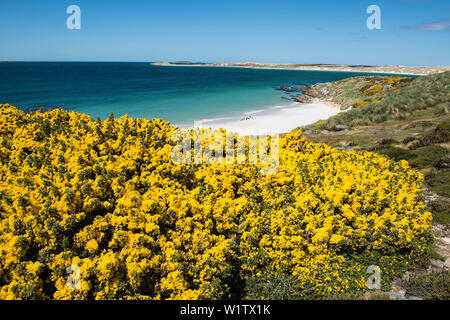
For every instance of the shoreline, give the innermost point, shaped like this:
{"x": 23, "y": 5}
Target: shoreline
{"x": 274, "y": 120}
{"x": 397, "y": 70}
{"x": 298, "y": 69}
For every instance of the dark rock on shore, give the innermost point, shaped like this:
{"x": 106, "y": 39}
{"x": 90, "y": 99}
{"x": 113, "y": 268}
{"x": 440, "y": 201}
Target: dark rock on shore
{"x": 289, "y": 89}
{"x": 341, "y": 127}
{"x": 309, "y": 93}
{"x": 442, "y": 163}
{"x": 303, "y": 88}
{"x": 303, "y": 98}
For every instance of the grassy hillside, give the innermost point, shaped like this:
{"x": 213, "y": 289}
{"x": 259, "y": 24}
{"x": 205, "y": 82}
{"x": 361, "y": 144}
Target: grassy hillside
{"x": 430, "y": 94}
{"x": 359, "y": 91}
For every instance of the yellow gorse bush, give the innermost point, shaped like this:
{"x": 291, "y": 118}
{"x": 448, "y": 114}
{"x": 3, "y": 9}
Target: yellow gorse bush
{"x": 383, "y": 84}
{"x": 105, "y": 197}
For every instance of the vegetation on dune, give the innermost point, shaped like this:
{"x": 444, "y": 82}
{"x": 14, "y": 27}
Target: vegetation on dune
{"x": 106, "y": 197}
{"x": 384, "y": 84}
{"x": 359, "y": 91}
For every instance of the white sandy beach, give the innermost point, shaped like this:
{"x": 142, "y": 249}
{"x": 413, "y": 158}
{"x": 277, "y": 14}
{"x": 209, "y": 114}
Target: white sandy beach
{"x": 278, "y": 119}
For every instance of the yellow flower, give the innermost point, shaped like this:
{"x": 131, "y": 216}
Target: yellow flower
{"x": 104, "y": 199}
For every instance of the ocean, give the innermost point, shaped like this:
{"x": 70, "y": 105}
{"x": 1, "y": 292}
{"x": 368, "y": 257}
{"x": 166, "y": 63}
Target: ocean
{"x": 177, "y": 94}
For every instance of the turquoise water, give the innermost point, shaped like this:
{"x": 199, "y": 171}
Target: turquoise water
{"x": 177, "y": 94}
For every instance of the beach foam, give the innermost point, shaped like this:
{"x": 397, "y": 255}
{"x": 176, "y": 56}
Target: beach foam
{"x": 279, "y": 119}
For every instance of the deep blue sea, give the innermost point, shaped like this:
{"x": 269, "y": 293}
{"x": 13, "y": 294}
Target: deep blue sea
{"x": 177, "y": 94}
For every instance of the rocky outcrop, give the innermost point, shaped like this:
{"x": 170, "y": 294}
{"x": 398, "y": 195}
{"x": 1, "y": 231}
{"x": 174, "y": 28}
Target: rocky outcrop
{"x": 341, "y": 127}
{"x": 442, "y": 163}
{"x": 287, "y": 89}
{"x": 303, "y": 98}
{"x": 310, "y": 93}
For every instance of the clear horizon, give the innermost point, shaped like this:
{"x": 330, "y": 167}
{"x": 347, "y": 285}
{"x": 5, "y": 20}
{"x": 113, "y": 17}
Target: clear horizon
{"x": 413, "y": 32}
{"x": 269, "y": 62}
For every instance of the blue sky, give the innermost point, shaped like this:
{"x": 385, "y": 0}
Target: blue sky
{"x": 414, "y": 32}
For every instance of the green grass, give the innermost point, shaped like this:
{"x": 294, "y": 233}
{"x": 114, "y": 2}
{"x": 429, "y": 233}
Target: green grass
{"x": 431, "y": 92}
{"x": 424, "y": 157}
{"x": 273, "y": 288}
{"x": 440, "y": 210}
{"x": 348, "y": 92}
{"x": 444, "y": 125}
{"x": 395, "y": 153}
{"x": 380, "y": 296}
{"x": 434, "y": 286}
{"x": 437, "y": 136}
{"x": 439, "y": 181}
{"x": 420, "y": 158}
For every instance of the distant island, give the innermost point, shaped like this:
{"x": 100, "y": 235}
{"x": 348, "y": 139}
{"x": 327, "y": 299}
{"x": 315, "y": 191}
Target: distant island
{"x": 325, "y": 67}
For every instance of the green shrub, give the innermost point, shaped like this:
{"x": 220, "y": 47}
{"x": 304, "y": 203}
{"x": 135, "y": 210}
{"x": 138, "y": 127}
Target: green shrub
{"x": 440, "y": 210}
{"x": 444, "y": 126}
{"x": 388, "y": 141}
{"x": 434, "y": 286}
{"x": 380, "y": 296}
{"x": 424, "y": 157}
{"x": 439, "y": 181}
{"x": 435, "y": 137}
{"x": 409, "y": 139}
{"x": 396, "y": 154}
{"x": 274, "y": 288}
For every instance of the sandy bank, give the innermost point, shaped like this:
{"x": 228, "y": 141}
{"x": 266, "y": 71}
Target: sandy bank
{"x": 278, "y": 119}
{"x": 405, "y": 70}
